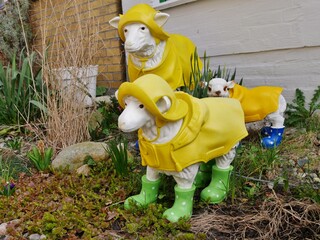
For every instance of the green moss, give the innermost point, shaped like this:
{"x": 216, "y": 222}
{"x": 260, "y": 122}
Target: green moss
{"x": 60, "y": 205}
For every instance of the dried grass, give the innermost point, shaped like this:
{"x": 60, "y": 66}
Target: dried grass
{"x": 274, "y": 219}
{"x": 66, "y": 45}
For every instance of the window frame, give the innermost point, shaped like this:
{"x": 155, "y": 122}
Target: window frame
{"x": 168, "y": 4}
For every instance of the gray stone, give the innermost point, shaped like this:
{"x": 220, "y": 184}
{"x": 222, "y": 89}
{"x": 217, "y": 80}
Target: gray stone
{"x": 4, "y": 226}
{"x": 36, "y": 236}
{"x": 3, "y": 229}
{"x": 84, "y": 170}
{"x": 302, "y": 162}
{"x": 106, "y": 99}
{"x": 255, "y": 126}
{"x": 316, "y": 179}
{"x": 73, "y": 156}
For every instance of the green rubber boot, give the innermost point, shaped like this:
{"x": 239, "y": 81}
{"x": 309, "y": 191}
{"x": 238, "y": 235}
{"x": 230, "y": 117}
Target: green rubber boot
{"x": 182, "y": 206}
{"x": 217, "y": 190}
{"x": 203, "y": 176}
{"x": 148, "y": 194}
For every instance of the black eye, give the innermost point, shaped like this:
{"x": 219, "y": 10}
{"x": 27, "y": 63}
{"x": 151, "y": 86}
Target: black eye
{"x": 209, "y": 88}
{"x": 143, "y": 28}
{"x": 125, "y": 30}
{"x": 125, "y": 104}
{"x": 141, "y": 106}
{"x": 225, "y": 88}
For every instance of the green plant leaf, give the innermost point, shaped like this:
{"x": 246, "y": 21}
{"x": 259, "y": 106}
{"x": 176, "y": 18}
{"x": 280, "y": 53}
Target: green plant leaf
{"x": 117, "y": 149}
{"x": 18, "y": 90}
{"x": 314, "y": 103}
{"x": 39, "y": 105}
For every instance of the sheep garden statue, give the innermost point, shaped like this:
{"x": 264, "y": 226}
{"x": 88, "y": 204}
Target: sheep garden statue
{"x": 258, "y": 103}
{"x": 177, "y": 135}
{"x": 152, "y": 50}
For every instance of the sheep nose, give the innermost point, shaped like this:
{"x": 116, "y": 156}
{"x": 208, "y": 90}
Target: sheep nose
{"x": 129, "y": 43}
{"x": 218, "y": 93}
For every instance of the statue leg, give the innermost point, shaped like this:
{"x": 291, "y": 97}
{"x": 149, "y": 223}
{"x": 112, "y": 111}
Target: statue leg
{"x": 183, "y": 204}
{"x": 184, "y": 192}
{"x": 204, "y": 174}
{"x": 273, "y": 134}
{"x": 149, "y": 190}
{"x": 218, "y": 188}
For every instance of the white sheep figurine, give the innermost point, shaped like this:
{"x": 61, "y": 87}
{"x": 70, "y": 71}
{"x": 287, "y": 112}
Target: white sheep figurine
{"x": 177, "y": 133}
{"x": 152, "y": 50}
{"x": 258, "y": 103}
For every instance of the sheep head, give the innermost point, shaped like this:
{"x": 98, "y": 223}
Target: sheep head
{"x": 150, "y": 97}
{"x": 136, "y": 115}
{"x": 140, "y": 28}
{"x": 219, "y": 87}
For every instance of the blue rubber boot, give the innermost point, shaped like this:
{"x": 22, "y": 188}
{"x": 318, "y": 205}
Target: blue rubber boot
{"x": 148, "y": 194}
{"x": 136, "y": 146}
{"x": 265, "y": 131}
{"x": 274, "y": 139}
{"x": 218, "y": 188}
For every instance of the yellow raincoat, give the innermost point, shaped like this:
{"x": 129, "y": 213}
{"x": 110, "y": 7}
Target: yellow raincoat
{"x": 256, "y": 102}
{"x": 175, "y": 66}
{"x": 211, "y": 126}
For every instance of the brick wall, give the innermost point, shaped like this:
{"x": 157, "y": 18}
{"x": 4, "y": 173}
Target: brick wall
{"x": 65, "y": 25}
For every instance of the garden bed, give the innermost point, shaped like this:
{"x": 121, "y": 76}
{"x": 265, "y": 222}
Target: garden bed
{"x": 278, "y": 202}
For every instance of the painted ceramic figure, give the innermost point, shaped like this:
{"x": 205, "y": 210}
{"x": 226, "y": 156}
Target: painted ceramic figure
{"x": 178, "y": 133}
{"x": 150, "y": 49}
{"x": 259, "y": 103}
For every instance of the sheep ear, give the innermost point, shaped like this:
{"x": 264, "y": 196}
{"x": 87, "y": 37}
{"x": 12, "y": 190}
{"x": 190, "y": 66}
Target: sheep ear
{"x": 161, "y": 18}
{"x": 116, "y": 94}
{"x": 231, "y": 84}
{"x": 114, "y": 22}
{"x": 164, "y": 104}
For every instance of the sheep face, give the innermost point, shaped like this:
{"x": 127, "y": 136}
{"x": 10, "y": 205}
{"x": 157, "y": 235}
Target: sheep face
{"x": 219, "y": 87}
{"x": 134, "y": 116}
{"x": 139, "y": 40}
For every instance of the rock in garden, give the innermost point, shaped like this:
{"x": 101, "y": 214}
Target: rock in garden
{"x": 4, "y": 226}
{"x": 37, "y": 237}
{"x": 74, "y": 156}
{"x": 303, "y": 161}
{"x": 105, "y": 99}
{"x": 84, "y": 170}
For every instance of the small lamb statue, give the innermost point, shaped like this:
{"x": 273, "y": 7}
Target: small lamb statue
{"x": 258, "y": 103}
{"x": 152, "y": 50}
{"x": 177, "y": 133}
